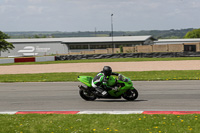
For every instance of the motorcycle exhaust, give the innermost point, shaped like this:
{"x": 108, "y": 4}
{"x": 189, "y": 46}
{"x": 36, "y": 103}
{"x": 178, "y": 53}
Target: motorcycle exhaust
{"x": 81, "y": 87}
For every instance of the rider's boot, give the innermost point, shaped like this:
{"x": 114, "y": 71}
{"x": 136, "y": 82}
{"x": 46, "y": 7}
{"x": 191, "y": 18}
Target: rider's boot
{"x": 104, "y": 93}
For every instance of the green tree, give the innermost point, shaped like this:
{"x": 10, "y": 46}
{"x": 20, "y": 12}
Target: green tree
{"x": 36, "y": 36}
{"x": 193, "y": 34}
{"x": 3, "y": 35}
{"x": 4, "y": 45}
{"x": 121, "y": 48}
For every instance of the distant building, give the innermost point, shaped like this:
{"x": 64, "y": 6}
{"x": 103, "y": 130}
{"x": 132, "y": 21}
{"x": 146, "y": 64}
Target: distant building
{"x": 35, "y": 47}
{"x": 176, "y": 41}
{"x": 188, "y": 45}
{"x": 92, "y": 43}
{"x": 50, "y": 46}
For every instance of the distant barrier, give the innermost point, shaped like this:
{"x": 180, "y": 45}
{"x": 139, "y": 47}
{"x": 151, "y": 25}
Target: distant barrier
{"x": 5, "y": 61}
{"x": 129, "y": 55}
{"x": 101, "y": 56}
{"x": 27, "y": 59}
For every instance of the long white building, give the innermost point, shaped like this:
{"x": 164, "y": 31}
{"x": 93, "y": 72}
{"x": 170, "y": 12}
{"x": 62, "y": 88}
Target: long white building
{"x": 52, "y": 46}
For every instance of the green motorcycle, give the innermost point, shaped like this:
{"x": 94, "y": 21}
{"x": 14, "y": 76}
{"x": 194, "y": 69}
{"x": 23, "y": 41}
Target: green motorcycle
{"x": 123, "y": 84}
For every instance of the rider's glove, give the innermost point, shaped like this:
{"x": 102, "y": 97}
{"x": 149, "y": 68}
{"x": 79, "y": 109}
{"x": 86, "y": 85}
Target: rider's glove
{"x": 115, "y": 74}
{"x": 104, "y": 83}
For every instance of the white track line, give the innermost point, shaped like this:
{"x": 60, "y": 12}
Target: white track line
{"x": 110, "y": 112}
{"x": 9, "y": 112}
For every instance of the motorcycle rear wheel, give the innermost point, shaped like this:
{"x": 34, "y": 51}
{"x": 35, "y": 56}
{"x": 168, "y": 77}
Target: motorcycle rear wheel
{"x": 130, "y": 95}
{"x": 86, "y": 96}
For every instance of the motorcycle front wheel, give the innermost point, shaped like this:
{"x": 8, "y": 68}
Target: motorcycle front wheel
{"x": 130, "y": 95}
{"x": 87, "y": 96}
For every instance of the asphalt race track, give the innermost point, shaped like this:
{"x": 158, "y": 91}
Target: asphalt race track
{"x": 62, "y": 96}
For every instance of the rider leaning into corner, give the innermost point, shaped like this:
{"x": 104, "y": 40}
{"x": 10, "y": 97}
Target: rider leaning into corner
{"x": 100, "y": 81}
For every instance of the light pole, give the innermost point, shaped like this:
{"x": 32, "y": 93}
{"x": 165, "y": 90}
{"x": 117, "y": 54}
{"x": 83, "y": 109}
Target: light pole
{"x": 112, "y": 33}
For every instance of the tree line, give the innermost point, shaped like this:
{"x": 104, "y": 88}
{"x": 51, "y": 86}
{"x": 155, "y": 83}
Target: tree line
{"x": 159, "y": 34}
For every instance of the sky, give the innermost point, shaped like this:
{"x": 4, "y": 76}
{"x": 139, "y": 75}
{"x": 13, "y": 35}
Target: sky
{"x": 88, "y": 15}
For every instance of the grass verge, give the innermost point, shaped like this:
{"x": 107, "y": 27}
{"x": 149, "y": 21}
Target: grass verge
{"x": 107, "y": 60}
{"x": 134, "y": 76}
{"x": 99, "y": 123}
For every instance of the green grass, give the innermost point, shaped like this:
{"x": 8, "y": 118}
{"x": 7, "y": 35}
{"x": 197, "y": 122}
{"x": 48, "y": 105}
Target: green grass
{"x": 107, "y": 60}
{"x": 134, "y": 76}
{"x": 99, "y": 123}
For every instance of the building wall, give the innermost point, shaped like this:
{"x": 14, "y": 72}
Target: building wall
{"x": 110, "y": 50}
{"x": 74, "y": 53}
{"x": 175, "y": 48}
{"x": 87, "y": 52}
{"x": 36, "y": 49}
{"x": 102, "y": 51}
{"x": 128, "y": 49}
{"x": 144, "y": 49}
{"x": 160, "y": 48}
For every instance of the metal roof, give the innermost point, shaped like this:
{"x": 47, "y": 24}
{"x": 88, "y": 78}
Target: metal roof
{"x": 176, "y": 41}
{"x": 34, "y": 40}
{"x": 107, "y": 39}
{"x": 84, "y": 39}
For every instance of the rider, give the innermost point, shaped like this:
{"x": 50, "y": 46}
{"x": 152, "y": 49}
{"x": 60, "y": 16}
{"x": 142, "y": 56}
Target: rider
{"x": 100, "y": 80}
